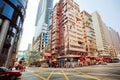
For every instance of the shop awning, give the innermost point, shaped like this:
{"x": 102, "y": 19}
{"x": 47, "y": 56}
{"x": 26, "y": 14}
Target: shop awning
{"x": 47, "y": 54}
{"x": 104, "y": 54}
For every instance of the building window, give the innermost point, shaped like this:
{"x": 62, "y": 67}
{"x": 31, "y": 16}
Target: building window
{"x": 23, "y": 2}
{"x": 12, "y": 31}
{"x": 1, "y": 22}
{"x": 8, "y": 11}
{"x": 15, "y": 2}
{"x": 18, "y": 20}
{"x": 2, "y": 4}
{"x": 22, "y": 11}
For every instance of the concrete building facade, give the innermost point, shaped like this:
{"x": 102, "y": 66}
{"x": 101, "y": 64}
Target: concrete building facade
{"x": 97, "y": 23}
{"x": 67, "y": 32}
{"x": 89, "y": 34}
{"x": 114, "y": 47}
{"x": 107, "y": 39}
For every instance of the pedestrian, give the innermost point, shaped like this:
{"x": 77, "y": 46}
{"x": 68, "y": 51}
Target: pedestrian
{"x": 13, "y": 68}
{"x": 24, "y": 67}
{"x": 78, "y": 62}
{"x": 50, "y": 63}
{"x": 73, "y": 64}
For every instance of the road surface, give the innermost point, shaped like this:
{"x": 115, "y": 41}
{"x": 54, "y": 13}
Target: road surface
{"x": 110, "y": 71}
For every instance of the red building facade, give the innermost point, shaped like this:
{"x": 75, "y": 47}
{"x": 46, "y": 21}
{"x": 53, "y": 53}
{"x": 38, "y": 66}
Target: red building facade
{"x": 66, "y": 32}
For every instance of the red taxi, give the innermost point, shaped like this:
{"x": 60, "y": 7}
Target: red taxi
{"x": 7, "y": 74}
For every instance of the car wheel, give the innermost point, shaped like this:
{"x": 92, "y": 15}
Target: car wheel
{"x": 13, "y": 77}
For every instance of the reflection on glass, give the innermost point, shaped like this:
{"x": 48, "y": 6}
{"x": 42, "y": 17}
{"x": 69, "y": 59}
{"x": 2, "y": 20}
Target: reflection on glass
{"x": 15, "y": 2}
{"x": 8, "y": 11}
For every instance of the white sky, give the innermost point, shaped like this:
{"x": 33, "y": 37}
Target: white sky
{"x": 29, "y": 24}
{"x": 108, "y": 9}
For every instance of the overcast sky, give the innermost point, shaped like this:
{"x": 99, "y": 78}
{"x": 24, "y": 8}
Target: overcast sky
{"x": 108, "y": 9}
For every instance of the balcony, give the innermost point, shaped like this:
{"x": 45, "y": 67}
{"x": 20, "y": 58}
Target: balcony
{"x": 76, "y": 49}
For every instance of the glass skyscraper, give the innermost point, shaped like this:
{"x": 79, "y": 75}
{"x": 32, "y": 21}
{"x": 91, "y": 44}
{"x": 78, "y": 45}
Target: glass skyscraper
{"x": 42, "y": 24}
{"x": 12, "y": 14}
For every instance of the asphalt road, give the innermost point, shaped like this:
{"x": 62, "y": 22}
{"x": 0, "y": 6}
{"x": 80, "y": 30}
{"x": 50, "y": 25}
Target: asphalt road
{"x": 97, "y": 72}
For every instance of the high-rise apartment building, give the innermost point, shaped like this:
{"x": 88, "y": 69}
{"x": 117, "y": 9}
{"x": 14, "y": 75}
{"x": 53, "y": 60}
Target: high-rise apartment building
{"x": 97, "y": 23}
{"x": 66, "y": 32}
{"x": 114, "y": 47}
{"x": 12, "y": 14}
{"x": 40, "y": 39}
{"x": 107, "y": 39}
{"x": 89, "y": 34}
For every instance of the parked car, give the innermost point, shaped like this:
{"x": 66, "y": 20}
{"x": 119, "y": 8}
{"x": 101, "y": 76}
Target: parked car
{"x": 7, "y": 74}
{"x": 115, "y": 60}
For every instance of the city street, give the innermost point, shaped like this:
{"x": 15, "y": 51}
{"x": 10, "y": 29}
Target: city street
{"x": 110, "y": 71}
